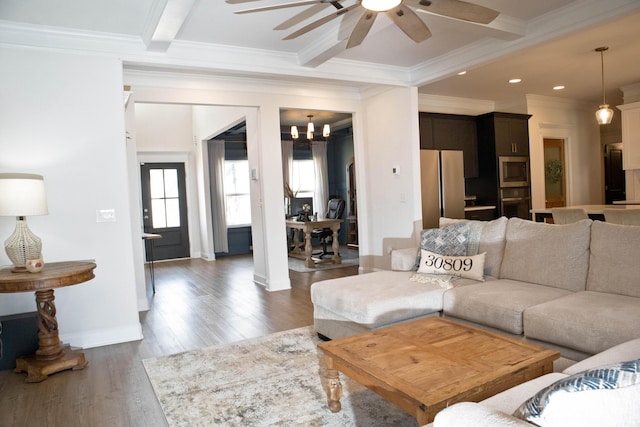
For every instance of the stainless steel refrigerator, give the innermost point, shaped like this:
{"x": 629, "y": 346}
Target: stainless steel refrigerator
{"x": 442, "y": 180}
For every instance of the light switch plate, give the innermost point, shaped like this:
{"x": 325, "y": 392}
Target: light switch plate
{"x": 105, "y": 215}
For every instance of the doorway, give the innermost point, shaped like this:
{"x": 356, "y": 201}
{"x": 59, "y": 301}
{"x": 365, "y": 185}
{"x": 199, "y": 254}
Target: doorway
{"x": 164, "y": 210}
{"x": 554, "y": 173}
{"x": 614, "y": 179}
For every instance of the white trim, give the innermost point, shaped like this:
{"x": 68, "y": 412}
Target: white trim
{"x": 98, "y": 338}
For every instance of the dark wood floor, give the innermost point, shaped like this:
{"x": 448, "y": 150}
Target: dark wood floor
{"x": 197, "y": 304}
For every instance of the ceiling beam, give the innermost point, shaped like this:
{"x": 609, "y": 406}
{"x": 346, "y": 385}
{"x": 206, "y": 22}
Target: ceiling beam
{"x": 165, "y": 20}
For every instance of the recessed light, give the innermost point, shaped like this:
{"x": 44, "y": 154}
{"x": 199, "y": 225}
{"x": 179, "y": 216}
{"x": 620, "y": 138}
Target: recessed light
{"x": 559, "y": 87}
{"x": 515, "y": 80}
{"x": 462, "y": 73}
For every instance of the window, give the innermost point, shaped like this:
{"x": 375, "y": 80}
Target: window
{"x": 303, "y": 178}
{"x": 165, "y": 202}
{"x": 236, "y": 192}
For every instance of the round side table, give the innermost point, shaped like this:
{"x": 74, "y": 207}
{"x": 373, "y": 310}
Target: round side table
{"x": 51, "y": 356}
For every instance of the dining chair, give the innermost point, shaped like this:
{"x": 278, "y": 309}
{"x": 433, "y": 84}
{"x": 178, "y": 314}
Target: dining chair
{"x": 568, "y": 215}
{"x": 622, "y": 216}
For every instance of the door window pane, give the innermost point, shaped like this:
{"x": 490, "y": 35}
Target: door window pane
{"x": 170, "y": 183}
{"x": 158, "y": 213}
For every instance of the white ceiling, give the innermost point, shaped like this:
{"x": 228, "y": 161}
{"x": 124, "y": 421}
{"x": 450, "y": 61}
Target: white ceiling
{"x": 544, "y": 42}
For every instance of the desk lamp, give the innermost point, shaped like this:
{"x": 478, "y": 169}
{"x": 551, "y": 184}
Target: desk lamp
{"x": 22, "y": 194}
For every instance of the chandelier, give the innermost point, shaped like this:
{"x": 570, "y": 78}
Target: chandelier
{"x": 604, "y": 115}
{"x": 326, "y": 130}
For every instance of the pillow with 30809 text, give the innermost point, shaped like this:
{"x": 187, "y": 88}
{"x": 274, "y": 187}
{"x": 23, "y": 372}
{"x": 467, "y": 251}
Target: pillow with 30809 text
{"x": 470, "y": 266}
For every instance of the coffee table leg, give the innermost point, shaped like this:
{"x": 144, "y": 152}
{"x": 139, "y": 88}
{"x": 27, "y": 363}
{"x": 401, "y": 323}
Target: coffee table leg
{"x": 334, "y": 387}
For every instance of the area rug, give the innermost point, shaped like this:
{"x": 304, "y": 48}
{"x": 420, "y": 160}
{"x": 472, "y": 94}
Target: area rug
{"x": 268, "y": 381}
{"x": 350, "y": 257}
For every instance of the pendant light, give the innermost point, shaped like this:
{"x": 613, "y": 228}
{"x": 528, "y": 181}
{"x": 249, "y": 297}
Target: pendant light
{"x": 604, "y": 115}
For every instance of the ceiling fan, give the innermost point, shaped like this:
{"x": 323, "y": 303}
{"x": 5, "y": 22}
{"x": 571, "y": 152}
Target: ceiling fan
{"x": 400, "y": 12}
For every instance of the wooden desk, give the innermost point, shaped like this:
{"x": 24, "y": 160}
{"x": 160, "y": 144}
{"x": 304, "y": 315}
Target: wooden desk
{"x": 425, "y": 365}
{"x": 595, "y": 212}
{"x": 51, "y": 356}
{"x": 307, "y": 227}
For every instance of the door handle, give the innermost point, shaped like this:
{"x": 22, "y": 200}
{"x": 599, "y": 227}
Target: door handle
{"x": 146, "y": 217}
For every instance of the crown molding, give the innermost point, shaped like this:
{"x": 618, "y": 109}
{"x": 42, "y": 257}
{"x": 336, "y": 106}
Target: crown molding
{"x": 202, "y": 57}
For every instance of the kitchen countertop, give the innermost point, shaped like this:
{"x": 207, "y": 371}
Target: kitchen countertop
{"x": 478, "y": 208}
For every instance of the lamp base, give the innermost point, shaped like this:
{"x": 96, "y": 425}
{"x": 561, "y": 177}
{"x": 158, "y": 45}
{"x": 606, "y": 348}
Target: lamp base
{"x": 19, "y": 270}
{"x": 22, "y": 245}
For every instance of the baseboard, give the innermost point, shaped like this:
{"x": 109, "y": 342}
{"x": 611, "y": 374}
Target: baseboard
{"x": 103, "y": 337}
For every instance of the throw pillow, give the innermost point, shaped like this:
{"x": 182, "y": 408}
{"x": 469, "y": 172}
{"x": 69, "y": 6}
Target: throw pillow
{"x": 613, "y": 377}
{"x": 450, "y": 240}
{"x": 470, "y": 267}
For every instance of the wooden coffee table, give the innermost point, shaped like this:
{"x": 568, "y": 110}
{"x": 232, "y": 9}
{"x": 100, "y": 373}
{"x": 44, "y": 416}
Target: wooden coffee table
{"x": 426, "y": 365}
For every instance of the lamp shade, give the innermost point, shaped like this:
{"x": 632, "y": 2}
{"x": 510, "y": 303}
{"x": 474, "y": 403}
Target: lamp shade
{"x": 22, "y": 194}
{"x": 604, "y": 115}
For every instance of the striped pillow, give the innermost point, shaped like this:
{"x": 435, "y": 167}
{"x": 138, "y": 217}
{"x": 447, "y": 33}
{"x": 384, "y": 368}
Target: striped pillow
{"x": 610, "y": 377}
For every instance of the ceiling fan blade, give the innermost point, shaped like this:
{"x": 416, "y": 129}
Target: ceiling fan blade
{"x": 362, "y": 28}
{"x": 458, "y": 9}
{"x": 321, "y": 21}
{"x": 298, "y": 18}
{"x": 278, "y": 6}
{"x": 410, "y": 23}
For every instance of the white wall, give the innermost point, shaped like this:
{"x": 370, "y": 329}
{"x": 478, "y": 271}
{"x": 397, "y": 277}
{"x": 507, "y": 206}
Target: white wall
{"x": 62, "y": 116}
{"x": 390, "y": 203}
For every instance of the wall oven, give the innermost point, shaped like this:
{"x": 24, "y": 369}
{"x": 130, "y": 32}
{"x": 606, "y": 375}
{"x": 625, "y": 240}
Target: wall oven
{"x": 513, "y": 171}
{"x": 515, "y": 202}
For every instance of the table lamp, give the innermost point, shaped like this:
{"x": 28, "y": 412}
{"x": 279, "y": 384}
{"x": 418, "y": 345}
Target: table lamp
{"x": 22, "y": 194}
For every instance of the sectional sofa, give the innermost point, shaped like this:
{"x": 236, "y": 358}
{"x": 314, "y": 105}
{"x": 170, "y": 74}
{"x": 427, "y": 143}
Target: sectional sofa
{"x": 573, "y": 287}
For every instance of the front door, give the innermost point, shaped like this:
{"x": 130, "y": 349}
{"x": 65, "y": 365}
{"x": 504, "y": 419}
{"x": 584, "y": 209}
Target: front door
{"x": 554, "y": 173}
{"x": 164, "y": 207}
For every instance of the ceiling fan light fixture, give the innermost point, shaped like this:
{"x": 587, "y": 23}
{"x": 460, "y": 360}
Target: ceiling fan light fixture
{"x": 380, "y": 5}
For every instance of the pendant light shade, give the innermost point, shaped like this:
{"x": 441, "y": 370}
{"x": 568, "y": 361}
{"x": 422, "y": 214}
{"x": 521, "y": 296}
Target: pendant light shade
{"x": 604, "y": 115}
{"x": 294, "y": 132}
{"x": 380, "y": 5}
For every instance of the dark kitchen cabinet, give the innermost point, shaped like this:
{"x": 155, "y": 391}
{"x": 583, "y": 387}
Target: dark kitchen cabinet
{"x": 510, "y": 132}
{"x": 451, "y": 132}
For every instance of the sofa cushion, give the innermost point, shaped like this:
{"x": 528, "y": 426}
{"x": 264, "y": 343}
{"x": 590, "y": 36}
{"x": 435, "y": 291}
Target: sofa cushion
{"x": 406, "y": 259}
{"x": 511, "y": 399}
{"x": 613, "y": 390}
{"x": 547, "y": 254}
{"x": 379, "y": 298}
{"x": 614, "y": 265}
{"x": 469, "y": 266}
{"x": 497, "y": 303}
{"x": 628, "y": 350}
{"x": 587, "y": 321}
{"x": 450, "y": 240}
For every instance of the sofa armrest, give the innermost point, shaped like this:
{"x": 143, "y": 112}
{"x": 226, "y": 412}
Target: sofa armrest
{"x": 469, "y": 414}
